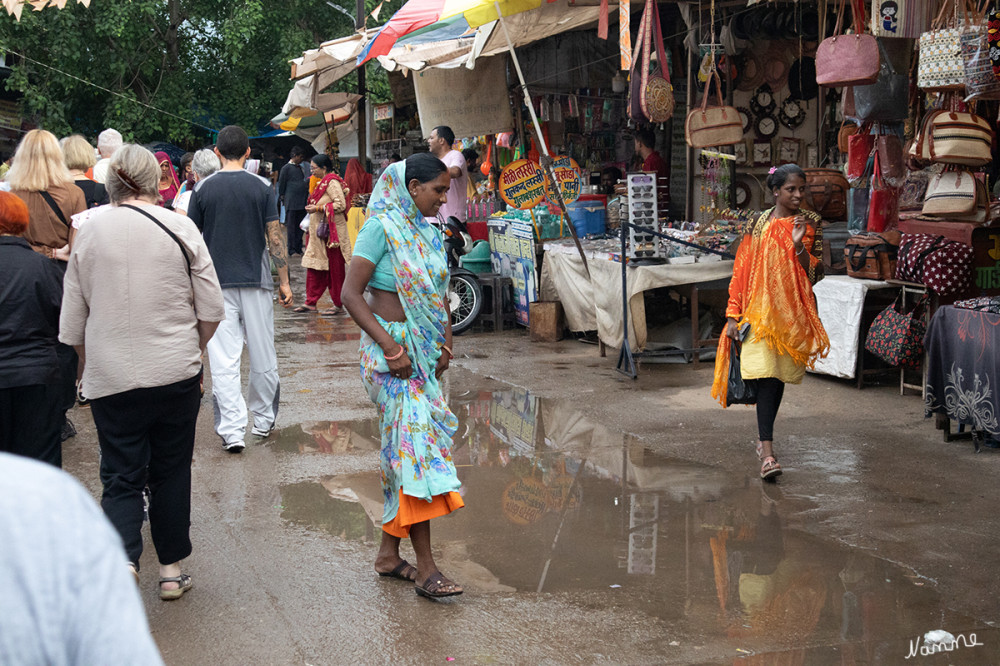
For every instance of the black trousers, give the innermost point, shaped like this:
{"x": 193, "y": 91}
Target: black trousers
{"x": 292, "y": 220}
{"x": 769, "y": 393}
{"x": 31, "y": 419}
{"x": 68, "y": 362}
{"x": 147, "y": 438}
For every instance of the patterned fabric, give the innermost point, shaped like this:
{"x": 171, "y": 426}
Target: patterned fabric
{"x": 989, "y": 304}
{"x": 943, "y": 266}
{"x": 417, "y": 425}
{"x": 993, "y": 39}
{"x": 963, "y": 367}
{"x": 897, "y": 338}
{"x": 900, "y": 18}
{"x": 980, "y": 81}
{"x": 941, "y": 66}
{"x": 770, "y": 290}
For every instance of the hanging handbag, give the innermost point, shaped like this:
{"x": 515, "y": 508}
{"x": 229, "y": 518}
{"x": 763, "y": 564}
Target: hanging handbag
{"x": 900, "y": 18}
{"x": 993, "y": 39}
{"x": 848, "y": 60}
{"x": 717, "y": 125}
{"x": 657, "y": 96}
{"x": 847, "y": 130}
{"x": 637, "y": 79}
{"x": 958, "y": 196}
{"x": 911, "y": 196}
{"x": 886, "y": 100}
{"x": 827, "y": 190}
{"x": 898, "y": 338}
{"x": 857, "y": 209}
{"x": 739, "y": 391}
{"x": 323, "y": 231}
{"x": 883, "y": 203}
{"x": 859, "y": 150}
{"x": 942, "y": 265}
{"x": 889, "y": 149}
{"x": 954, "y": 137}
{"x": 941, "y": 66}
{"x": 872, "y": 256}
{"x": 980, "y": 81}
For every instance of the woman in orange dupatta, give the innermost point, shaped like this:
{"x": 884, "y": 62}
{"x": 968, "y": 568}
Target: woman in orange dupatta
{"x": 771, "y": 291}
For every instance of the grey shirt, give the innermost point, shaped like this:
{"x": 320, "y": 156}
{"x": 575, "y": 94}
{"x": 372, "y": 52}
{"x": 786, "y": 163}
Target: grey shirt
{"x": 66, "y": 595}
{"x": 293, "y": 185}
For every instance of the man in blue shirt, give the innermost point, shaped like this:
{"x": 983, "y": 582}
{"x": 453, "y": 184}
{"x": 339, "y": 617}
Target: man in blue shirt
{"x": 238, "y": 214}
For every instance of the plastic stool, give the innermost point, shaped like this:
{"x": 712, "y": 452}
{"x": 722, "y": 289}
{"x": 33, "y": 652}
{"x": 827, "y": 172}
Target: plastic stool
{"x": 498, "y": 300}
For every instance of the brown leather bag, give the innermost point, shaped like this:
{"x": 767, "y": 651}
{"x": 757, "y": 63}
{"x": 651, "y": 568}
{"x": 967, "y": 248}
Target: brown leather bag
{"x": 717, "y": 125}
{"x": 891, "y": 159}
{"x": 847, "y": 130}
{"x": 827, "y": 189}
{"x": 872, "y": 256}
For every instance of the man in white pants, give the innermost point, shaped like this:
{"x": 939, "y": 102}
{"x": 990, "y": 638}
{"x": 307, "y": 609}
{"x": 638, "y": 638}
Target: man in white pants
{"x": 238, "y": 215}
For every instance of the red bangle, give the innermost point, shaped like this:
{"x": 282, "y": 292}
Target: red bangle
{"x": 397, "y": 354}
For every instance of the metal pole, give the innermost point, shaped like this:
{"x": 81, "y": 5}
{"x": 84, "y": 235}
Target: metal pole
{"x": 359, "y": 23}
{"x": 547, "y": 159}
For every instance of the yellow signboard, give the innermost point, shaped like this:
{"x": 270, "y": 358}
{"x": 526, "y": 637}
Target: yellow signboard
{"x": 567, "y": 173}
{"x": 522, "y": 185}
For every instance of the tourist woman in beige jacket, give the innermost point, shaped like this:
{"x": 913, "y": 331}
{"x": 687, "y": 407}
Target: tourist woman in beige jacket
{"x": 326, "y": 258}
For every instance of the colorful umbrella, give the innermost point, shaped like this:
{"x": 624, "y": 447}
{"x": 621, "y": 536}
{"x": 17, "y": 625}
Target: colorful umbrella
{"x": 461, "y": 17}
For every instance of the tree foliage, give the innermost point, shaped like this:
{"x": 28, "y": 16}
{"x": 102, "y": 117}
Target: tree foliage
{"x": 201, "y": 64}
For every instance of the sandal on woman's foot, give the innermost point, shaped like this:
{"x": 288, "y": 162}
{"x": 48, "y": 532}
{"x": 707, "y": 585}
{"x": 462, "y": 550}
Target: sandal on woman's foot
{"x": 184, "y": 583}
{"x": 437, "y": 586}
{"x": 403, "y": 571}
{"x": 332, "y": 311}
{"x": 304, "y": 308}
{"x": 770, "y": 469}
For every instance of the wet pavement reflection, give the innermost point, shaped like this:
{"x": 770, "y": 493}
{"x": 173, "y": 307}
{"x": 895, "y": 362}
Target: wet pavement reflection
{"x": 557, "y": 503}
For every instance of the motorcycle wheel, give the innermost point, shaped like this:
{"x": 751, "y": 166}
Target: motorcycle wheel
{"x": 466, "y": 299}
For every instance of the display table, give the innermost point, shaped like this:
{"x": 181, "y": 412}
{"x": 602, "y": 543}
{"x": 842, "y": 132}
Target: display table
{"x": 963, "y": 368}
{"x": 841, "y": 303}
{"x": 597, "y": 303}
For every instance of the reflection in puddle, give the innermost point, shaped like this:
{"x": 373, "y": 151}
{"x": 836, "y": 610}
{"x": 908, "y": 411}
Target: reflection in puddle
{"x": 558, "y": 503}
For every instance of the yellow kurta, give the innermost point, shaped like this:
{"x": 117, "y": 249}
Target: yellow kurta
{"x": 758, "y": 361}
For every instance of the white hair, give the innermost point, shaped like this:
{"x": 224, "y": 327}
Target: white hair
{"x": 205, "y": 163}
{"x": 140, "y": 167}
{"x": 109, "y": 141}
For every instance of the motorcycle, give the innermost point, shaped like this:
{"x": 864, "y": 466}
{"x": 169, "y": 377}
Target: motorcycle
{"x": 465, "y": 297}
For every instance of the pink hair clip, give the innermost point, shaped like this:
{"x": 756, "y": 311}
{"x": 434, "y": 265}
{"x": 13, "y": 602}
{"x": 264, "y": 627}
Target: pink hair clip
{"x": 772, "y": 170}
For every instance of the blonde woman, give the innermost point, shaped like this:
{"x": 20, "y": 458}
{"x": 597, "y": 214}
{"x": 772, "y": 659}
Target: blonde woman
{"x": 39, "y": 177}
{"x": 80, "y": 157}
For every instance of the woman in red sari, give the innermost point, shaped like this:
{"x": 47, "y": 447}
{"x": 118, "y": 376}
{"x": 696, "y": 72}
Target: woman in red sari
{"x": 326, "y": 259}
{"x": 169, "y": 185}
{"x": 771, "y": 291}
{"x": 358, "y": 180}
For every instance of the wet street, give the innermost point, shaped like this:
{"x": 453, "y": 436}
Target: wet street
{"x": 606, "y": 521}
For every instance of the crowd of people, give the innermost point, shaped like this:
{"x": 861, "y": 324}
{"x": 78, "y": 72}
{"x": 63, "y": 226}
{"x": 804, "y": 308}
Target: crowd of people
{"x": 118, "y": 277}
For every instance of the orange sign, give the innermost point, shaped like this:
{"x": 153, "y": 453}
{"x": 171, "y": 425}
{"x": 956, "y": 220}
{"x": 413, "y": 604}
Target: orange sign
{"x": 525, "y": 501}
{"x": 567, "y": 173}
{"x": 522, "y": 185}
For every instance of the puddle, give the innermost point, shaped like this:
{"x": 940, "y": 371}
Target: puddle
{"x": 317, "y": 328}
{"x": 558, "y": 503}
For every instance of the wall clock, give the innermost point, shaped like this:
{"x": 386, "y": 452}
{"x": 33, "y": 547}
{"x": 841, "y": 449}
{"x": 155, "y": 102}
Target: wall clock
{"x": 762, "y": 101}
{"x": 766, "y": 126}
{"x": 792, "y": 114}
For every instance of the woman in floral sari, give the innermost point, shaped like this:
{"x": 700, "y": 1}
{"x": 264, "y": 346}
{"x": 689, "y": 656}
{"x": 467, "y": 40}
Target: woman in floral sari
{"x": 771, "y": 292}
{"x": 326, "y": 259}
{"x": 399, "y": 259}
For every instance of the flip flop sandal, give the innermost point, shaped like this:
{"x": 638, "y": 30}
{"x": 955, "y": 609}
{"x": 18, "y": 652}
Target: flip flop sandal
{"x": 303, "y": 308}
{"x": 398, "y": 572}
{"x": 331, "y": 312}
{"x": 770, "y": 469}
{"x": 184, "y": 583}
{"x": 436, "y": 581}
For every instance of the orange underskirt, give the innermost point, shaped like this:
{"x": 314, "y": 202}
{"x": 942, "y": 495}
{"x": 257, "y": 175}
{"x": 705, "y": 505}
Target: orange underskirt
{"x": 413, "y": 510}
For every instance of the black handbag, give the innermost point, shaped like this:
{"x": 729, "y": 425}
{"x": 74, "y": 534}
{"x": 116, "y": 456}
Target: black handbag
{"x": 886, "y": 100}
{"x": 739, "y": 391}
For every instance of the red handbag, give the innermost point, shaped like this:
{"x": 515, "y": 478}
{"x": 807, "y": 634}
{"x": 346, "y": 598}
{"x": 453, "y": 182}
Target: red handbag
{"x": 883, "y": 206}
{"x": 943, "y": 266}
{"x": 859, "y": 149}
{"x": 848, "y": 60}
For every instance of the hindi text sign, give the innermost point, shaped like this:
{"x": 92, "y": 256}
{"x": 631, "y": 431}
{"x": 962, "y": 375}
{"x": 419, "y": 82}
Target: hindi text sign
{"x": 522, "y": 185}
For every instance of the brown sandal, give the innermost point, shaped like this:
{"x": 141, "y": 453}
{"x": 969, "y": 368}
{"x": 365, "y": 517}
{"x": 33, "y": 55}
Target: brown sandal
{"x": 770, "y": 469}
{"x": 304, "y": 308}
{"x": 403, "y": 571}
{"x": 437, "y": 586}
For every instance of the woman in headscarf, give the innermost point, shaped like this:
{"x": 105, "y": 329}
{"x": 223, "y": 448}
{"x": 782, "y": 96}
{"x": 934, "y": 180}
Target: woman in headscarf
{"x": 326, "y": 258}
{"x": 405, "y": 349}
{"x": 358, "y": 180}
{"x": 169, "y": 185}
{"x": 771, "y": 293}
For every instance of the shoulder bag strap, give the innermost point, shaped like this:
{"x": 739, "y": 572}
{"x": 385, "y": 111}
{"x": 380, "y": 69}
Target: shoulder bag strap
{"x": 661, "y": 54}
{"x": 55, "y": 207}
{"x": 172, "y": 235}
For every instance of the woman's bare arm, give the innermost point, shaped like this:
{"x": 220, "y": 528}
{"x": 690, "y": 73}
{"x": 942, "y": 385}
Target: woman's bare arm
{"x": 352, "y": 295}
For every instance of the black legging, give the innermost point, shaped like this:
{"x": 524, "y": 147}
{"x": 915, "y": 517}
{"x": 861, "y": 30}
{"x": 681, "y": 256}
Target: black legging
{"x": 769, "y": 392}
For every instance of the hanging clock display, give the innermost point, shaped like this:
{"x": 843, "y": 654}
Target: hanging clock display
{"x": 745, "y": 117}
{"x": 766, "y": 126}
{"x": 742, "y": 194}
{"x": 762, "y": 101}
{"x": 792, "y": 114}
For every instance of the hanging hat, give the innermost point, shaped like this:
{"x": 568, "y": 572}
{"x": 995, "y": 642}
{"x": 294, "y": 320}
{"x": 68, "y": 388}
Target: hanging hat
{"x": 776, "y": 66}
{"x": 751, "y": 72}
{"x": 808, "y": 24}
{"x": 802, "y": 79}
{"x": 740, "y": 26}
